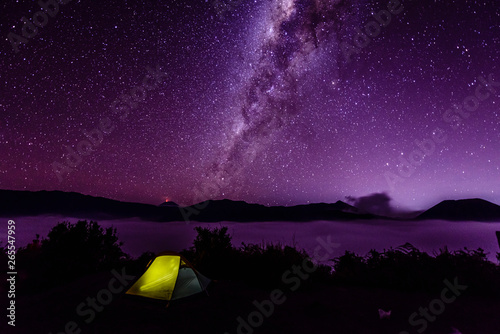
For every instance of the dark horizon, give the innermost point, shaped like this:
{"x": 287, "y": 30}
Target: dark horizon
{"x": 374, "y": 206}
{"x": 275, "y": 102}
{"x": 405, "y": 210}
{"x": 345, "y": 200}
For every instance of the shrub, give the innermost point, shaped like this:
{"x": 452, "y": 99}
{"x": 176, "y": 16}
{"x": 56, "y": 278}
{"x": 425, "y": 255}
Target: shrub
{"x": 407, "y": 268}
{"x": 69, "y": 252}
{"x": 212, "y": 252}
{"x": 262, "y": 265}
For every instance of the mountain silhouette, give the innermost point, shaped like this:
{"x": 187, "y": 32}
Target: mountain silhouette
{"x": 169, "y": 204}
{"x": 29, "y": 203}
{"x": 465, "y": 209}
{"x": 32, "y": 203}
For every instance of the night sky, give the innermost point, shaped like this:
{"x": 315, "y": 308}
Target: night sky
{"x": 277, "y": 102}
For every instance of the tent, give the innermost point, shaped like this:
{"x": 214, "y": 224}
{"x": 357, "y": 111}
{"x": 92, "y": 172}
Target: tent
{"x": 169, "y": 276}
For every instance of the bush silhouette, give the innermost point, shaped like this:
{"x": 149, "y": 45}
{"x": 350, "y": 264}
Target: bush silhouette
{"x": 137, "y": 266}
{"x": 69, "y": 252}
{"x": 262, "y": 265}
{"x": 407, "y": 268}
{"x": 212, "y": 252}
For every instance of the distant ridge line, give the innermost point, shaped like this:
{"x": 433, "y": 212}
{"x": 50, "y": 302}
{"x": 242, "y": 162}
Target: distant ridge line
{"x": 72, "y": 204}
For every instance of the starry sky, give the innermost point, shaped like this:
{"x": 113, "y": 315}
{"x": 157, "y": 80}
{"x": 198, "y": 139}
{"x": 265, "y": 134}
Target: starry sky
{"x": 277, "y": 102}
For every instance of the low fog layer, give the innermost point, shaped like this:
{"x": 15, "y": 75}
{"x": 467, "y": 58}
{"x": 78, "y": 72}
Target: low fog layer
{"x": 358, "y": 236}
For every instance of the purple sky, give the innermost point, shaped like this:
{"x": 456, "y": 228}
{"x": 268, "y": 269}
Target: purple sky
{"x": 274, "y": 102}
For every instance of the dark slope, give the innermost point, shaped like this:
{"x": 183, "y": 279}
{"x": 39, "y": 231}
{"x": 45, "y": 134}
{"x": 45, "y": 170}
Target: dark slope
{"x": 465, "y": 209}
{"x": 242, "y": 211}
{"x": 27, "y": 203}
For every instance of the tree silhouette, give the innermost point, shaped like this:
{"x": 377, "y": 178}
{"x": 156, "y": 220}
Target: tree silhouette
{"x": 69, "y": 252}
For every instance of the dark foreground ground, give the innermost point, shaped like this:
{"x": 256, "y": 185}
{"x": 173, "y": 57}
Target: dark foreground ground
{"x": 320, "y": 309}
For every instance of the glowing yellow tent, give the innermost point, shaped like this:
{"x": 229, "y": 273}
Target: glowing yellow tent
{"x": 168, "y": 277}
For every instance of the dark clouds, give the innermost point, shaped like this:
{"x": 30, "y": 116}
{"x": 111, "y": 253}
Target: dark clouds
{"x": 377, "y": 203}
